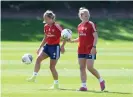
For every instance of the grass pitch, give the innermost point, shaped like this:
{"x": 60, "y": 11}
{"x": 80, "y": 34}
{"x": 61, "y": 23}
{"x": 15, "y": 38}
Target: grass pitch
{"x": 114, "y": 62}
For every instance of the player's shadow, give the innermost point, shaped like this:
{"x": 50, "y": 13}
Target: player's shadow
{"x": 93, "y": 91}
{"x": 108, "y": 92}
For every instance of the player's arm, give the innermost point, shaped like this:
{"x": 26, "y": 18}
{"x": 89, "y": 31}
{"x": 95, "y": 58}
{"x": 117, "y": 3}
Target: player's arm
{"x": 95, "y": 35}
{"x": 60, "y": 28}
{"x": 74, "y": 40}
{"x": 42, "y": 44}
{"x": 62, "y": 46}
{"x": 93, "y": 50}
{"x": 63, "y": 43}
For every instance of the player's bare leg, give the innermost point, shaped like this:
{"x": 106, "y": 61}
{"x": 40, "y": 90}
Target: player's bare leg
{"x": 90, "y": 67}
{"x": 82, "y": 63}
{"x": 39, "y": 59}
{"x": 54, "y": 72}
{"x": 53, "y": 69}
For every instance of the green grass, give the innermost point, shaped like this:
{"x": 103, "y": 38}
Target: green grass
{"x": 114, "y": 62}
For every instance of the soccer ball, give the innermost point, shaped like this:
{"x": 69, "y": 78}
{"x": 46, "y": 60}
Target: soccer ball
{"x": 27, "y": 58}
{"x": 66, "y": 34}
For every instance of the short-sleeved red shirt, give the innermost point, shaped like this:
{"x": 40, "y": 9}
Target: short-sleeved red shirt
{"x": 53, "y": 33}
{"x": 86, "y": 39}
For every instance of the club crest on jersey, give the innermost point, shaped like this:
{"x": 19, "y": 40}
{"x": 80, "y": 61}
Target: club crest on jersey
{"x": 52, "y": 30}
{"x": 49, "y": 29}
{"x": 85, "y": 28}
{"x": 82, "y": 28}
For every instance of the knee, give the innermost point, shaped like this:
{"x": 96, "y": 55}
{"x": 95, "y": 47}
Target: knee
{"x": 90, "y": 68}
{"x": 52, "y": 68}
{"x": 82, "y": 68}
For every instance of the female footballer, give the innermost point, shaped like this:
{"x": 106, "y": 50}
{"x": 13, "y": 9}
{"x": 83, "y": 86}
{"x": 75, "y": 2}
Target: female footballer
{"x": 87, "y": 48}
{"x": 51, "y": 47}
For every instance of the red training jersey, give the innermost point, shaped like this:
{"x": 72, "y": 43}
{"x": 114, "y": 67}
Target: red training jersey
{"x": 53, "y": 33}
{"x": 85, "y": 31}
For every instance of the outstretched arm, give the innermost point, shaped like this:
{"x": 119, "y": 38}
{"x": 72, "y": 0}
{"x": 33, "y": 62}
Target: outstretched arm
{"x": 74, "y": 40}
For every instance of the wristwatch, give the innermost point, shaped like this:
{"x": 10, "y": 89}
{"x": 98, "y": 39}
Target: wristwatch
{"x": 94, "y": 46}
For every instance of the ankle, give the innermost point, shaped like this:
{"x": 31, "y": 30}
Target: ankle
{"x": 56, "y": 81}
{"x": 100, "y": 79}
{"x": 83, "y": 84}
{"x": 35, "y": 73}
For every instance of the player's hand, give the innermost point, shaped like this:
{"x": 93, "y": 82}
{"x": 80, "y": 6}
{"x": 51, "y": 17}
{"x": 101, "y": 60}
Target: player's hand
{"x": 71, "y": 41}
{"x": 93, "y": 51}
{"x": 38, "y": 51}
{"x": 62, "y": 49}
